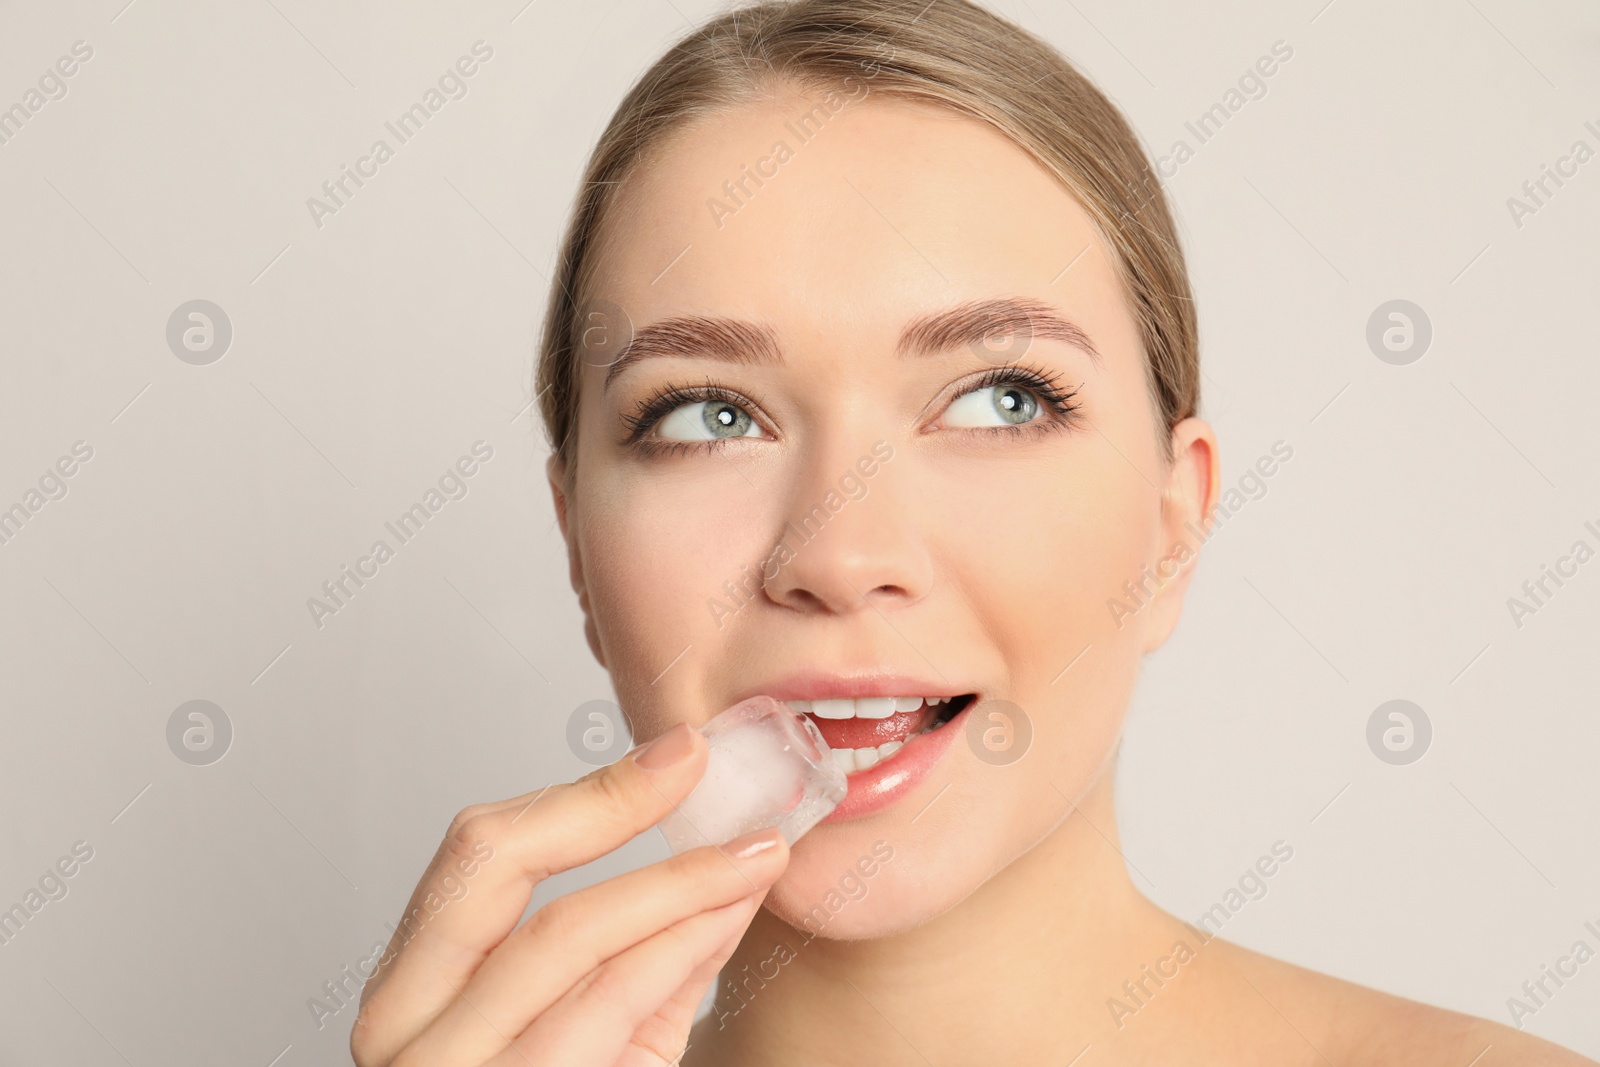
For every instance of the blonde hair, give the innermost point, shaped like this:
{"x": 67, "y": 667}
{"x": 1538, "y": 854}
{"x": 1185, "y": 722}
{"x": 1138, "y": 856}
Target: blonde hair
{"x": 949, "y": 53}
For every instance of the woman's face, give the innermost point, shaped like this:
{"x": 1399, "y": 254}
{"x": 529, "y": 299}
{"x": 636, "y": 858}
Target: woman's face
{"x": 929, "y": 521}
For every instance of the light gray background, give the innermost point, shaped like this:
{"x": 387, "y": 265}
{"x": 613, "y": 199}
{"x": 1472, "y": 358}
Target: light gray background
{"x": 369, "y": 354}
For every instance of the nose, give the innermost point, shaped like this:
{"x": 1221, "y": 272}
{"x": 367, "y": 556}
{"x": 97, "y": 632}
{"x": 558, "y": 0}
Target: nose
{"x": 853, "y": 544}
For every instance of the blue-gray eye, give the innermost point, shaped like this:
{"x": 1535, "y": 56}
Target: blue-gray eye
{"x": 993, "y": 405}
{"x": 707, "y": 420}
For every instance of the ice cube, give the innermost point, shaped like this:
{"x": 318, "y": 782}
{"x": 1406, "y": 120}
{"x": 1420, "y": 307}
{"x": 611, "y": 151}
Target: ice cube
{"x": 768, "y": 766}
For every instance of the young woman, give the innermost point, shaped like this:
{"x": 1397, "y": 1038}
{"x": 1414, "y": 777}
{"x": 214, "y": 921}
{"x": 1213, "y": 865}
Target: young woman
{"x": 870, "y": 372}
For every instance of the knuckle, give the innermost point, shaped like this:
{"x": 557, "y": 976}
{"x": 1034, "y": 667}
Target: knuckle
{"x": 375, "y": 1034}
{"x": 464, "y": 816}
{"x": 364, "y": 1041}
{"x": 697, "y": 861}
{"x": 607, "y": 985}
{"x": 375, "y": 1023}
{"x": 703, "y": 866}
{"x": 556, "y": 923}
{"x": 615, "y": 794}
{"x": 473, "y": 833}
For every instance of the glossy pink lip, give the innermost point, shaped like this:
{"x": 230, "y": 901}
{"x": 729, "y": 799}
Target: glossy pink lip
{"x": 886, "y": 782}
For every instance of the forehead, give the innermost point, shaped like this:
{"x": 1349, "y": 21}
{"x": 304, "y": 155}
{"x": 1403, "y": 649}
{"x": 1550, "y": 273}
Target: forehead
{"x": 841, "y": 217}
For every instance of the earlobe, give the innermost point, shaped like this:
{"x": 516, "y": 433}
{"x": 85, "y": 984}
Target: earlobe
{"x": 555, "y": 471}
{"x": 1195, "y": 476}
{"x": 1187, "y": 502}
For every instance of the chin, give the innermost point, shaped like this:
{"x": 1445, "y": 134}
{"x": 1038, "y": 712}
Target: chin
{"x": 895, "y": 870}
{"x": 882, "y": 875}
{"x": 824, "y": 895}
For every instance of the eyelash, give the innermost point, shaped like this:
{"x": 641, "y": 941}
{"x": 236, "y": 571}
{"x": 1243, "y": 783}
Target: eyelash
{"x": 1056, "y": 403}
{"x": 1062, "y": 412}
{"x": 664, "y": 402}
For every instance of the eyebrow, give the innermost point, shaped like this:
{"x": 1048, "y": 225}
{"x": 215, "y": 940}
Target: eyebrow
{"x": 964, "y": 325}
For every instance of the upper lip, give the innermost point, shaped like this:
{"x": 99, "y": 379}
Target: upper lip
{"x": 820, "y": 685}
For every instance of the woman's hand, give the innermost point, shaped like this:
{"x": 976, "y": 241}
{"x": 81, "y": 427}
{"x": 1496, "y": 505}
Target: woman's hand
{"x": 609, "y": 975}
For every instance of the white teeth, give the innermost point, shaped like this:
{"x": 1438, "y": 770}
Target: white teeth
{"x": 874, "y": 707}
{"x": 863, "y": 707}
{"x": 834, "y": 709}
{"x": 851, "y": 760}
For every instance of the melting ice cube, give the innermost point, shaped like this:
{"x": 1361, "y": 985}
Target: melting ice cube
{"x": 768, "y": 766}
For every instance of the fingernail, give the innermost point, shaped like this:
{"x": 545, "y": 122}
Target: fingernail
{"x": 753, "y": 844}
{"x": 669, "y": 748}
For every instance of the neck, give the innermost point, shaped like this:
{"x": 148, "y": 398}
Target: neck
{"x": 1017, "y": 972}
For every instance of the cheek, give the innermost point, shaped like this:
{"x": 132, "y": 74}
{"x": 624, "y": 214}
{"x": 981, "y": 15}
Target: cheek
{"x": 1044, "y": 550}
{"x": 648, "y": 571}
{"x": 658, "y": 552}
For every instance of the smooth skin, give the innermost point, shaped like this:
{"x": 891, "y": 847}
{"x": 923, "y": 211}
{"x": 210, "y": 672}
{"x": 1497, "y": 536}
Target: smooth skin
{"x": 981, "y": 557}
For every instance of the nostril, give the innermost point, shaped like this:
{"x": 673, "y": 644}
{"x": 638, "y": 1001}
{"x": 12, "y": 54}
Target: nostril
{"x": 800, "y": 600}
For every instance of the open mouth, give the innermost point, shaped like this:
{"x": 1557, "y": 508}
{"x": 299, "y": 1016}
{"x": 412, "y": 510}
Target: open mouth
{"x": 866, "y": 731}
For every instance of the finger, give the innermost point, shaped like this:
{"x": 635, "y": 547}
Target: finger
{"x": 572, "y": 936}
{"x": 670, "y": 1026}
{"x": 504, "y": 850}
{"x": 595, "y": 1021}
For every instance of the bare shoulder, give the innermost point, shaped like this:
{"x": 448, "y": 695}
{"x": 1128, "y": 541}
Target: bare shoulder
{"x": 1364, "y": 1026}
{"x": 1390, "y": 1029}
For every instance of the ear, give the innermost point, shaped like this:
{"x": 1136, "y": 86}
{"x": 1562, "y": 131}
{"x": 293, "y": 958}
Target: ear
{"x": 1187, "y": 501}
{"x": 556, "y": 471}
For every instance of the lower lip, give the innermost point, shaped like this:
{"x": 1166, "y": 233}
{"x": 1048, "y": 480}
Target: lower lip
{"x": 887, "y": 781}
